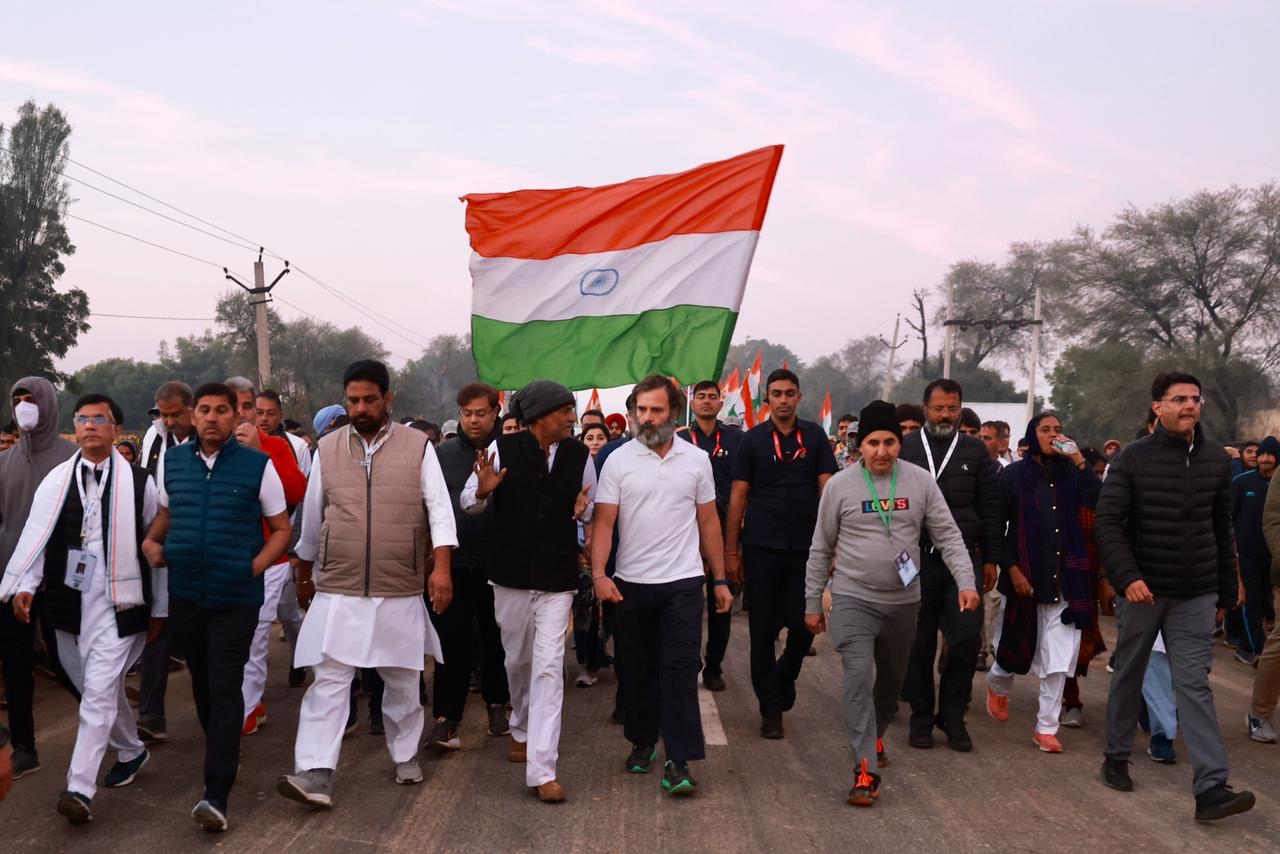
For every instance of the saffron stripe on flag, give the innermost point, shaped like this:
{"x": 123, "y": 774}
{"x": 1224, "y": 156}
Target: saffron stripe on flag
{"x": 728, "y": 195}
{"x": 688, "y": 269}
{"x": 583, "y": 352}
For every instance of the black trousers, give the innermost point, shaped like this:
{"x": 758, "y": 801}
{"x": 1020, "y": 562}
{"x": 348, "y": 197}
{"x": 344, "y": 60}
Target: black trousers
{"x": 153, "y": 673}
{"x": 216, "y": 643}
{"x": 1255, "y": 573}
{"x": 717, "y": 633}
{"x": 940, "y": 610}
{"x": 18, "y": 659}
{"x": 472, "y": 603}
{"x": 661, "y": 628}
{"x": 775, "y": 598}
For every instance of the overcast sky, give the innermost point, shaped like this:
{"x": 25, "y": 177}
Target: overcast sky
{"x": 341, "y": 134}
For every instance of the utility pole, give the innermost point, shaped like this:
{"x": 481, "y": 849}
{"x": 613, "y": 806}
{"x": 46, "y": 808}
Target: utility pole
{"x": 946, "y": 347}
{"x": 260, "y": 295}
{"x": 1035, "y": 358}
{"x": 893, "y": 352}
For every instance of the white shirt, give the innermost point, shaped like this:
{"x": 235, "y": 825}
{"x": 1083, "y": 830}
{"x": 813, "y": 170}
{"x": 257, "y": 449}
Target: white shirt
{"x": 471, "y": 504}
{"x": 167, "y": 441}
{"x": 657, "y": 499}
{"x": 270, "y": 489}
{"x": 435, "y": 494}
{"x": 93, "y": 544}
{"x": 301, "y": 452}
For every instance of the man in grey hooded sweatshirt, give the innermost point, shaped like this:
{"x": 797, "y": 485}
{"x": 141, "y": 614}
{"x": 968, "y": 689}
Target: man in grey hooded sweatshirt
{"x": 39, "y": 450}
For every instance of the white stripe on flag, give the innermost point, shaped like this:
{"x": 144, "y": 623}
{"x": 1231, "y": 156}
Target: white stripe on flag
{"x": 687, "y": 269}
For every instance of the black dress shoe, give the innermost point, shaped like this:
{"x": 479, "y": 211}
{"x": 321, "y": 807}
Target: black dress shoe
{"x": 958, "y": 737}
{"x": 297, "y": 675}
{"x": 771, "y": 725}
{"x": 921, "y": 738}
{"x": 713, "y": 681}
{"x": 1115, "y": 774}
{"x": 1220, "y": 802}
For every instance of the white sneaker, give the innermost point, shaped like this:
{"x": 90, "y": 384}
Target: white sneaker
{"x": 1261, "y": 730}
{"x": 585, "y": 679}
{"x": 408, "y": 773}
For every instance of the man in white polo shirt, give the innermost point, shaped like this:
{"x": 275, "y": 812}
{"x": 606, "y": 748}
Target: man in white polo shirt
{"x": 662, "y": 494}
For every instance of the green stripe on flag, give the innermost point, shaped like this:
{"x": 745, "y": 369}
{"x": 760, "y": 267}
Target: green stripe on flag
{"x": 686, "y": 342}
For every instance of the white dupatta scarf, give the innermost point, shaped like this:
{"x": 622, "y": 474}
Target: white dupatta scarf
{"x": 119, "y": 540}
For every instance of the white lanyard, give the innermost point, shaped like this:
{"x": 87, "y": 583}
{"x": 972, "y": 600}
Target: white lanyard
{"x": 90, "y": 503}
{"x": 370, "y": 449}
{"x": 955, "y": 440}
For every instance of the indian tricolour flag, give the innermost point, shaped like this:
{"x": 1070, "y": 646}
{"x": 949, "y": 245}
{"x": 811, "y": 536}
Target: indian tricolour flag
{"x": 601, "y": 286}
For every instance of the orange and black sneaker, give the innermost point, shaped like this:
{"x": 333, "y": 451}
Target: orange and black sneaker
{"x": 882, "y": 758}
{"x": 866, "y": 788}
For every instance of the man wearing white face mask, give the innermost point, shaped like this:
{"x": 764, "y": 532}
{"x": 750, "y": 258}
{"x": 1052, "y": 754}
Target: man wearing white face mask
{"x": 39, "y": 450}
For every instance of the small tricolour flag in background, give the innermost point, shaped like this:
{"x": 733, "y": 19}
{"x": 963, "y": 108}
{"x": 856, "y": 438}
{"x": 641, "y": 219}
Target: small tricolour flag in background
{"x": 594, "y": 402}
{"x": 748, "y": 406}
{"x": 763, "y": 415}
{"x": 755, "y": 377}
{"x": 824, "y": 413}
{"x": 601, "y": 286}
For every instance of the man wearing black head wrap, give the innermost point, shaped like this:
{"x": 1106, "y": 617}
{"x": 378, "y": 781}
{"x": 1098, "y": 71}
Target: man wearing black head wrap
{"x": 541, "y": 482}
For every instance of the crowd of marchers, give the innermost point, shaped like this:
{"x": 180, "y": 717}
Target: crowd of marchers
{"x": 380, "y": 544}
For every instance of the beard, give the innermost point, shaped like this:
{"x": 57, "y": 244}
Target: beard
{"x": 941, "y": 429}
{"x": 654, "y": 436}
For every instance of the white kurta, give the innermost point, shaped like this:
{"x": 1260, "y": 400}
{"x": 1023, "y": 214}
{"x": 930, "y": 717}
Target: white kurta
{"x": 97, "y": 659}
{"x": 371, "y": 631}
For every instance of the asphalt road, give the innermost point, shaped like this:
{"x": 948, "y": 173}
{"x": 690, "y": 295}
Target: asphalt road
{"x": 755, "y": 795}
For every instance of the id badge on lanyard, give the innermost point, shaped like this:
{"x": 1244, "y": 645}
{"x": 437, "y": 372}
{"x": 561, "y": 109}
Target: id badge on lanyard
{"x": 80, "y": 563}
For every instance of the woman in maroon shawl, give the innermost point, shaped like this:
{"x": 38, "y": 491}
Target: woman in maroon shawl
{"x": 1045, "y": 577}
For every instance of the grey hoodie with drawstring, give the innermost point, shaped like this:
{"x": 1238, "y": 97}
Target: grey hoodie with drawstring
{"x": 23, "y": 466}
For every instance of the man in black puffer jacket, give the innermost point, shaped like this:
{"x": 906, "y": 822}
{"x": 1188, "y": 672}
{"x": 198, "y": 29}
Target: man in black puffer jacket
{"x": 969, "y": 480}
{"x": 1164, "y": 534}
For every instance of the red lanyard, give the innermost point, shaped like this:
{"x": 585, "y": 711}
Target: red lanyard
{"x": 800, "y": 452}
{"x": 715, "y": 452}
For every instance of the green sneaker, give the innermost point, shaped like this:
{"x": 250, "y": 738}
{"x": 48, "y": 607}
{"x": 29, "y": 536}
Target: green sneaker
{"x": 641, "y": 758}
{"x": 677, "y": 780}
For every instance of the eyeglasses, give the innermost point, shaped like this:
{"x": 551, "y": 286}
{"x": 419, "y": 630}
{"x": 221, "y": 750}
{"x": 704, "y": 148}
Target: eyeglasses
{"x": 98, "y": 420}
{"x": 1182, "y": 399}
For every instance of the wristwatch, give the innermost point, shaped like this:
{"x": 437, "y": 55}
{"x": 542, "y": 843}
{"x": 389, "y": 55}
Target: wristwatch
{"x": 719, "y": 582}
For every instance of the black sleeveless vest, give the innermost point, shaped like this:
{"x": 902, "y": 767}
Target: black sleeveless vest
{"x": 536, "y": 537}
{"x": 62, "y": 603}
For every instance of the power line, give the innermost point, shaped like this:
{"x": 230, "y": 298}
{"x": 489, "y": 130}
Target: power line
{"x": 163, "y": 202}
{"x": 388, "y": 323}
{"x": 318, "y": 320}
{"x": 148, "y": 316}
{"x": 148, "y": 242}
{"x": 235, "y": 243}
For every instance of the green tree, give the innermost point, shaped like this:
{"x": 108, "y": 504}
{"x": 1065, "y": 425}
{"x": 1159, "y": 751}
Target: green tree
{"x": 38, "y": 323}
{"x": 743, "y": 355}
{"x": 1192, "y": 282}
{"x": 308, "y": 358}
{"x": 131, "y": 384}
{"x": 428, "y": 386}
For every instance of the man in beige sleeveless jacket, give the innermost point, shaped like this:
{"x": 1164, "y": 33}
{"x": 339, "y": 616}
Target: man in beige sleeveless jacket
{"x": 376, "y": 504}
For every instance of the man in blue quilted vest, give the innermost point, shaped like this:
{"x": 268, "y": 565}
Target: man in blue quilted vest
{"x": 208, "y": 530}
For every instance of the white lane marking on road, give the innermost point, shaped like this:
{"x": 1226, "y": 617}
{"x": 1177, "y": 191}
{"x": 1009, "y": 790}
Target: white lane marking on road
{"x": 712, "y": 730}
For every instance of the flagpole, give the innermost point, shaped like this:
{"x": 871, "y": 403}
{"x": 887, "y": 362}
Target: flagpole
{"x": 688, "y": 405}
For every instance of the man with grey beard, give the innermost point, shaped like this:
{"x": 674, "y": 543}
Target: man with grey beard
{"x": 969, "y": 480}
{"x": 669, "y": 494}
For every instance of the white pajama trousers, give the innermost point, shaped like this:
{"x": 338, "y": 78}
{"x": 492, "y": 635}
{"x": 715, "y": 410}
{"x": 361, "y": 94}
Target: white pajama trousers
{"x": 255, "y": 669}
{"x": 533, "y": 625}
{"x": 1057, "y": 648}
{"x": 96, "y": 662}
{"x": 323, "y": 716}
